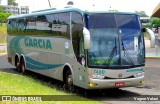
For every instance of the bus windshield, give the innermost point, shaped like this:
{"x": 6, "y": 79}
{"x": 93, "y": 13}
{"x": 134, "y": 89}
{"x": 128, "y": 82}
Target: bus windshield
{"x": 116, "y": 40}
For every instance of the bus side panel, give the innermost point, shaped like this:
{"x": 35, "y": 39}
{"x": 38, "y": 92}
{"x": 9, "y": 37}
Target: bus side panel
{"x": 10, "y": 52}
{"x": 48, "y": 62}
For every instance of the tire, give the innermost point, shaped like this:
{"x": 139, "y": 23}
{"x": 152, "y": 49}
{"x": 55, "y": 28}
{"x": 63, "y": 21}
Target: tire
{"x": 22, "y": 66}
{"x": 69, "y": 81}
{"x": 17, "y": 64}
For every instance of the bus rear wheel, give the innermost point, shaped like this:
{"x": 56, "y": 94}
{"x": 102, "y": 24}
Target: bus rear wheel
{"x": 17, "y": 64}
{"x": 22, "y": 66}
{"x": 69, "y": 81}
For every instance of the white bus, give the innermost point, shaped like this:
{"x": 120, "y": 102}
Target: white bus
{"x": 88, "y": 49}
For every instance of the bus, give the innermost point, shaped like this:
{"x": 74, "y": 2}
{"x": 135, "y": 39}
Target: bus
{"x": 88, "y": 49}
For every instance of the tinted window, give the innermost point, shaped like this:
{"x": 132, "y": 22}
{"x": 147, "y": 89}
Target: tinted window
{"x": 127, "y": 21}
{"x": 101, "y": 20}
{"x": 16, "y": 26}
{"x": 77, "y": 35}
{"x": 10, "y": 26}
{"x": 20, "y": 26}
{"x": 51, "y": 25}
{"x": 42, "y": 25}
{"x": 30, "y": 26}
{"x": 116, "y": 40}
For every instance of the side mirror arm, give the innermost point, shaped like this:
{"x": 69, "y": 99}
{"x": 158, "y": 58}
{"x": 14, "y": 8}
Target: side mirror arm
{"x": 86, "y": 35}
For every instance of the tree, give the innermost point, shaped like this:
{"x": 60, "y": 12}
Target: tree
{"x": 3, "y": 17}
{"x": 155, "y": 22}
{"x": 142, "y": 13}
{"x": 10, "y": 2}
{"x": 1, "y": 9}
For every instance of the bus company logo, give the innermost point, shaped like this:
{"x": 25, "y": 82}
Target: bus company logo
{"x": 37, "y": 43}
{"x": 135, "y": 70}
{"x": 120, "y": 75}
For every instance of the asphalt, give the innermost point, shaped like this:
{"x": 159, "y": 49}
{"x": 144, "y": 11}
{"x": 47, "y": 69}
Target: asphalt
{"x": 152, "y": 52}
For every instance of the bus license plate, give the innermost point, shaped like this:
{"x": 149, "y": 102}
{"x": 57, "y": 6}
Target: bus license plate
{"x": 119, "y": 84}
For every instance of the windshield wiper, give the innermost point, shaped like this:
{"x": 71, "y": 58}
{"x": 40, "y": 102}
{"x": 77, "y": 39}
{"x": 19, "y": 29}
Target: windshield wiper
{"x": 128, "y": 54}
{"x": 112, "y": 54}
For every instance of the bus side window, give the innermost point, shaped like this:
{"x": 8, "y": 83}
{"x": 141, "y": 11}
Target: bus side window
{"x": 77, "y": 35}
{"x": 58, "y": 25}
{"x": 63, "y": 25}
{"x": 41, "y": 25}
{"x": 30, "y": 26}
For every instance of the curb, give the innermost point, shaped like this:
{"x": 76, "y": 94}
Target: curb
{"x": 2, "y": 54}
{"x": 152, "y": 57}
{"x": 3, "y": 44}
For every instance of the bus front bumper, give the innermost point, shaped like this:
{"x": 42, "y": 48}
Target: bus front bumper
{"x": 115, "y": 83}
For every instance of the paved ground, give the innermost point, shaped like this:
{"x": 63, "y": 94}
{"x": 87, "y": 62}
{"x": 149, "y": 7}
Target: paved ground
{"x": 151, "y": 86}
{"x": 3, "y": 47}
{"x": 152, "y": 52}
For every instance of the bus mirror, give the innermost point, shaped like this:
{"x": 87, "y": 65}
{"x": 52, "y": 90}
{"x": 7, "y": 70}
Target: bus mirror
{"x": 144, "y": 30}
{"x": 86, "y": 35}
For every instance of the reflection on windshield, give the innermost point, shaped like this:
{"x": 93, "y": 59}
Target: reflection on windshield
{"x": 104, "y": 47}
{"x": 116, "y": 40}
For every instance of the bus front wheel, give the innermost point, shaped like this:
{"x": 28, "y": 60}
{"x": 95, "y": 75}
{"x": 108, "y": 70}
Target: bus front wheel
{"x": 69, "y": 81}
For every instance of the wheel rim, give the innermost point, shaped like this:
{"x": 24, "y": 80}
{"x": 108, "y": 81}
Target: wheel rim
{"x": 23, "y": 68}
{"x": 69, "y": 80}
{"x": 18, "y": 66}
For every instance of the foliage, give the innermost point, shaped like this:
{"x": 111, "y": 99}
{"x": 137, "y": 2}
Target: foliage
{"x": 4, "y": 16}
{"x": 3, "y": 29}
{"x": 3, "y": 32}
{"x": 155, "y": 22}
{"x": 1, "y": 9}
{"x": 142, "y": 13}
{"x": 3, "y": 51}
{"x": 10, "y": 2}
{"x": 147, "y": 26}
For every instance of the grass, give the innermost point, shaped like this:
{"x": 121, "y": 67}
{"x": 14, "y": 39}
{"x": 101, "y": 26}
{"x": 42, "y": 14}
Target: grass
{"x": 3, "y": 32}
{"x": 15, "y": 84}
{"x": 3, "y": 51}
{"x": 3, "y": 29}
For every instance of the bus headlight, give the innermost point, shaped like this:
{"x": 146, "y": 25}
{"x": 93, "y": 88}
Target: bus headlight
{"x": 139, "y": 74}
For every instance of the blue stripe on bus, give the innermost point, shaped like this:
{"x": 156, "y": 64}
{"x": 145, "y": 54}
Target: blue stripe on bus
{"x": 32, "y": 64}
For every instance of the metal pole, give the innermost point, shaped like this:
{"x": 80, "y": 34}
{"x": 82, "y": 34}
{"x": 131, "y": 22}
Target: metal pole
{"x": 156, "y": 36}
{"x": 49, "y": 3}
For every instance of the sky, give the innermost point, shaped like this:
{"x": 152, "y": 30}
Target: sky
{"x": 120, "y": 5}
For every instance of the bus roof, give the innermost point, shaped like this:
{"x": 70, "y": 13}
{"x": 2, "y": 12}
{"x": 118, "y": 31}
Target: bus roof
{"x": 50, "y": 11}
